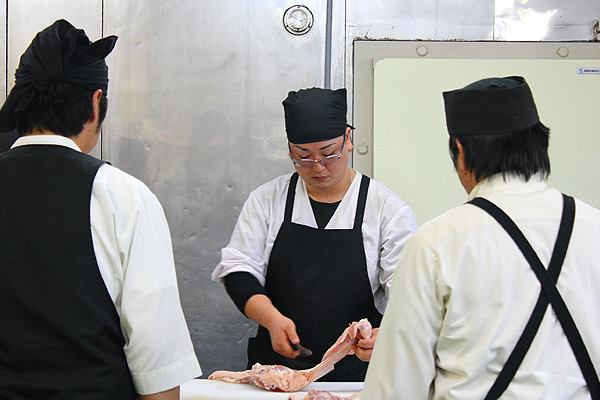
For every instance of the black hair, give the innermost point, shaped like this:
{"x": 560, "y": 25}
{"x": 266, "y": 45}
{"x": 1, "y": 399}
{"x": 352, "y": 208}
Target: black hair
{"x": 62, "y": 108}
{"x": 523, "y": 152}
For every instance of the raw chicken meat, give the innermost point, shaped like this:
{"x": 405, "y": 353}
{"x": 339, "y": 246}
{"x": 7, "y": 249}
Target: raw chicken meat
{"x": 322, "y": 395}
{"x": 269, "y": 377}
{"x": 281, "y": 378}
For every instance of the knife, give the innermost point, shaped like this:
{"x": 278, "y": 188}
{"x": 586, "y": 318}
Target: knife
{"x": 304, "y": 352}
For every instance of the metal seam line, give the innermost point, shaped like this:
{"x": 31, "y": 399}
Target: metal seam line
{"x": 328, "y": 33}
{"x": 101, "y": 140}
{"x": 6, "y": 52}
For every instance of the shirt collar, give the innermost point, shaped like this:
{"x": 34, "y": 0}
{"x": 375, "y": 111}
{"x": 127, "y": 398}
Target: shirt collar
{"x": 509, "y": 184}
{"x": 56, "y": 140}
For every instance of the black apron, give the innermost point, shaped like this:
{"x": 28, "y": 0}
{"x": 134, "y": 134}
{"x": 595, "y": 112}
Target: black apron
{"x": 548, "y": 294}
{"x": 318, "y": 278}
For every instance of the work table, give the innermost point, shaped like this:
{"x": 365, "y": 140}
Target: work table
{"x": 203, "y": 389}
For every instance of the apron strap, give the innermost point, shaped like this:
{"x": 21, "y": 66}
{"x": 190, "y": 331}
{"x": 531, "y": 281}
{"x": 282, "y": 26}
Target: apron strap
{"x": 554, "y": 268}
{"x": 362, "y": 201}
{"x": 548, "y": 279}
{"x": 289, "y": 202}
{"x": 360, "y": 206}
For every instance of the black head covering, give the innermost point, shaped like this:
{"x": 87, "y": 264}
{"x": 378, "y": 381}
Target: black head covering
{"x": 314, "y": 115}
{"x": 490, "y": 106}
{"x": 59, "y": 53}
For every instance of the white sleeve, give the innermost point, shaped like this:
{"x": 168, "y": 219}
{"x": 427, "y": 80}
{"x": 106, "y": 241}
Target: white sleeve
{"x": 246, "y": 249}
{"x": 398, "y": 224}
{"x": 158, "y": 348}
{"x": 403, "y": 362}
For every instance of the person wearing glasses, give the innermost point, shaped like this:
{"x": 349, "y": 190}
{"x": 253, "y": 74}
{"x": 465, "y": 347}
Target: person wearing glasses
{"x": 314, "y": 250}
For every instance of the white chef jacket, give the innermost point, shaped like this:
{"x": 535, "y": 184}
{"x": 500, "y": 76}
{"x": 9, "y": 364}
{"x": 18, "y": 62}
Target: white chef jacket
{"x": 387, "y": 224}
{"x": 463, "y": 293}
{"x": 132, "y": 245}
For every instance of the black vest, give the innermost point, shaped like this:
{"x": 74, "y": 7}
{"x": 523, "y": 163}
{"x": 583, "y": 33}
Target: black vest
{"x": 60, "y": 336}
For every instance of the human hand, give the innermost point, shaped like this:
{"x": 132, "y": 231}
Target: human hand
{"x": 283, "y": 334}
{"x": 363, "y": 348}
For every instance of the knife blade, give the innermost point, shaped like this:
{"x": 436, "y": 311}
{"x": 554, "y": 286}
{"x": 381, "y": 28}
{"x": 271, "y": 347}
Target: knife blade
{"x": 304, "y": 352}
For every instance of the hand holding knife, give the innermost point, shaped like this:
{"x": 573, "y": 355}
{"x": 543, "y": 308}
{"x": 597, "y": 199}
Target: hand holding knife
{"x": 304, "y": 352}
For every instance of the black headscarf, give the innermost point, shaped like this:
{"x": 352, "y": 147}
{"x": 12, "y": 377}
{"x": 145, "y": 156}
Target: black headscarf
{"x": 313, "y": 115}
{"x": 59, "y": 53}
{"x": 490, "y": 106}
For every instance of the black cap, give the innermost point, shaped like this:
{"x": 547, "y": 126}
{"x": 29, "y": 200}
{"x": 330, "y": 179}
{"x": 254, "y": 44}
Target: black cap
{"x": 490, "y": 106}
{"x": 59, "y": 53}
{"x": 314, "y": 115}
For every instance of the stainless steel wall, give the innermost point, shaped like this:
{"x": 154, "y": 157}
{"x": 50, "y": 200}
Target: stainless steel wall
{"x": 3, "y": 68}
{"x": 195, "y": 102}
{"x": 195, "y": 112}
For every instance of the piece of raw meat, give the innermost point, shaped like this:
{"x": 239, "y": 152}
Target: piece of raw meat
{"x": 322, "y": 395}
{"x": 269, "y": 377}
{"x": 281, "y": 378}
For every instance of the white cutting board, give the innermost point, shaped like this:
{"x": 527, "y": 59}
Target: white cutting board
{"x": 203, "y": 389}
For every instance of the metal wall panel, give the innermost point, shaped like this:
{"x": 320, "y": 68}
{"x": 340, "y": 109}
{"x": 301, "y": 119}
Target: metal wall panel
{"x": 339, "y": 45}
{"x": 26, "y": 18}
{"x": 3, "y": 47}
{"x": 195, "y": 112}
{"x": 547, "y": 20}
{"x": 421, "y": 20}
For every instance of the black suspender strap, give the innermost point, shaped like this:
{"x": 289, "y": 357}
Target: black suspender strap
{"x": 289, "y": 203}
{"x": 554, "y": 268}
{"x": 362, "y": 201}
{"x": 549, "y": 293}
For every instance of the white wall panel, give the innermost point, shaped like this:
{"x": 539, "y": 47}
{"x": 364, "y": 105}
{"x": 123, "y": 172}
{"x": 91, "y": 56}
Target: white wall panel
{"x": 410, "y": 137}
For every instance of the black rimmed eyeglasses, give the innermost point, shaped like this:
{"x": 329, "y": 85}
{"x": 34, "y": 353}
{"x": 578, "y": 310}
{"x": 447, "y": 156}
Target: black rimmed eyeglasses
{"x": 324, "y": 161}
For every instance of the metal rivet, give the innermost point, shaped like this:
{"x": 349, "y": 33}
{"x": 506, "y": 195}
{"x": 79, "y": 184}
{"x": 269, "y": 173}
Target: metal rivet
{"x": 363, "y": 149}
{"x": 422, "y": 51}
{"x": 562, "y": 52}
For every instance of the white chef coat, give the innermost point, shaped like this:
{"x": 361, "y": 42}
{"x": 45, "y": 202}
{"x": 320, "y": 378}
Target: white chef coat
{"x": 132, "y": 245}
{"x": 463, "y": 293}
{"x": 387, "y": 224}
